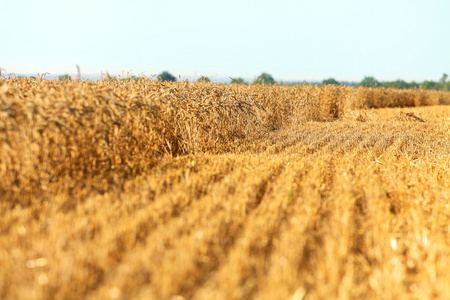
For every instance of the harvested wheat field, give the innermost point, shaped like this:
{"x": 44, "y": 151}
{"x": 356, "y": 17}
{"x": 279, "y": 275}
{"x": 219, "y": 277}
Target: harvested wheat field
{"x": 150, "y": 190}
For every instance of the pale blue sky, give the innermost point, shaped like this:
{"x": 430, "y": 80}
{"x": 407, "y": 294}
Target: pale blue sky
{"x": 292, "y": 40}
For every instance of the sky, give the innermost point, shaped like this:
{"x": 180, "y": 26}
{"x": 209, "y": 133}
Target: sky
{"x": 291, "y": 40}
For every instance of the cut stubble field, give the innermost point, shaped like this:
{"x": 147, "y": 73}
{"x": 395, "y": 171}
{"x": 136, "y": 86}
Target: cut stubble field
{"x": 147, "y": 190}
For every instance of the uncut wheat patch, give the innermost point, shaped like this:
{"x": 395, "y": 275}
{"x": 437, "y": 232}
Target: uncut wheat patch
{"x": 83, "y": 129}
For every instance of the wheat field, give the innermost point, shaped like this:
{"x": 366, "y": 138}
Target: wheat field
{"x": 143, "y": 189}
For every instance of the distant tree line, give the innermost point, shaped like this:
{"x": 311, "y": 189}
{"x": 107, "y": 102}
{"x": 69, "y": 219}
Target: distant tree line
{"x": 267, "y": 79}
{"x": 369, "y": 81}
{"x": 264, "y": 78}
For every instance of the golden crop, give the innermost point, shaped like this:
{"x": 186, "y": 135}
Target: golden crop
{"x": 150, "y": 190}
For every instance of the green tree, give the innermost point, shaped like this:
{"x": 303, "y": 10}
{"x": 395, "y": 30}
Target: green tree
{"x": 446, "y": 87}
{"x": 166, "y": 76}
{"x": 414, "y": 85}
{"x": 264, "y": 78}
{"x": 238, "y": 80}
{"x": 442, "y": 84}
{"x": 443, "y": 79}
{"x": 399, "y": 84}
{"x": 429, "y": 85}
{"x": 330, "y": 81}
{"x": 204, "y": 79}
{"x": 131, "y": 78}
{"x": 369, "y": 81}
{"x": 64, "y": 77}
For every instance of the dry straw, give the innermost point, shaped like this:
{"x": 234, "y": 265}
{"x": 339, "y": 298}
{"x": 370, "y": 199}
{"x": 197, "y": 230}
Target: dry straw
{"x": 140, "y": 189}
{"x": 52, "y": 129}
